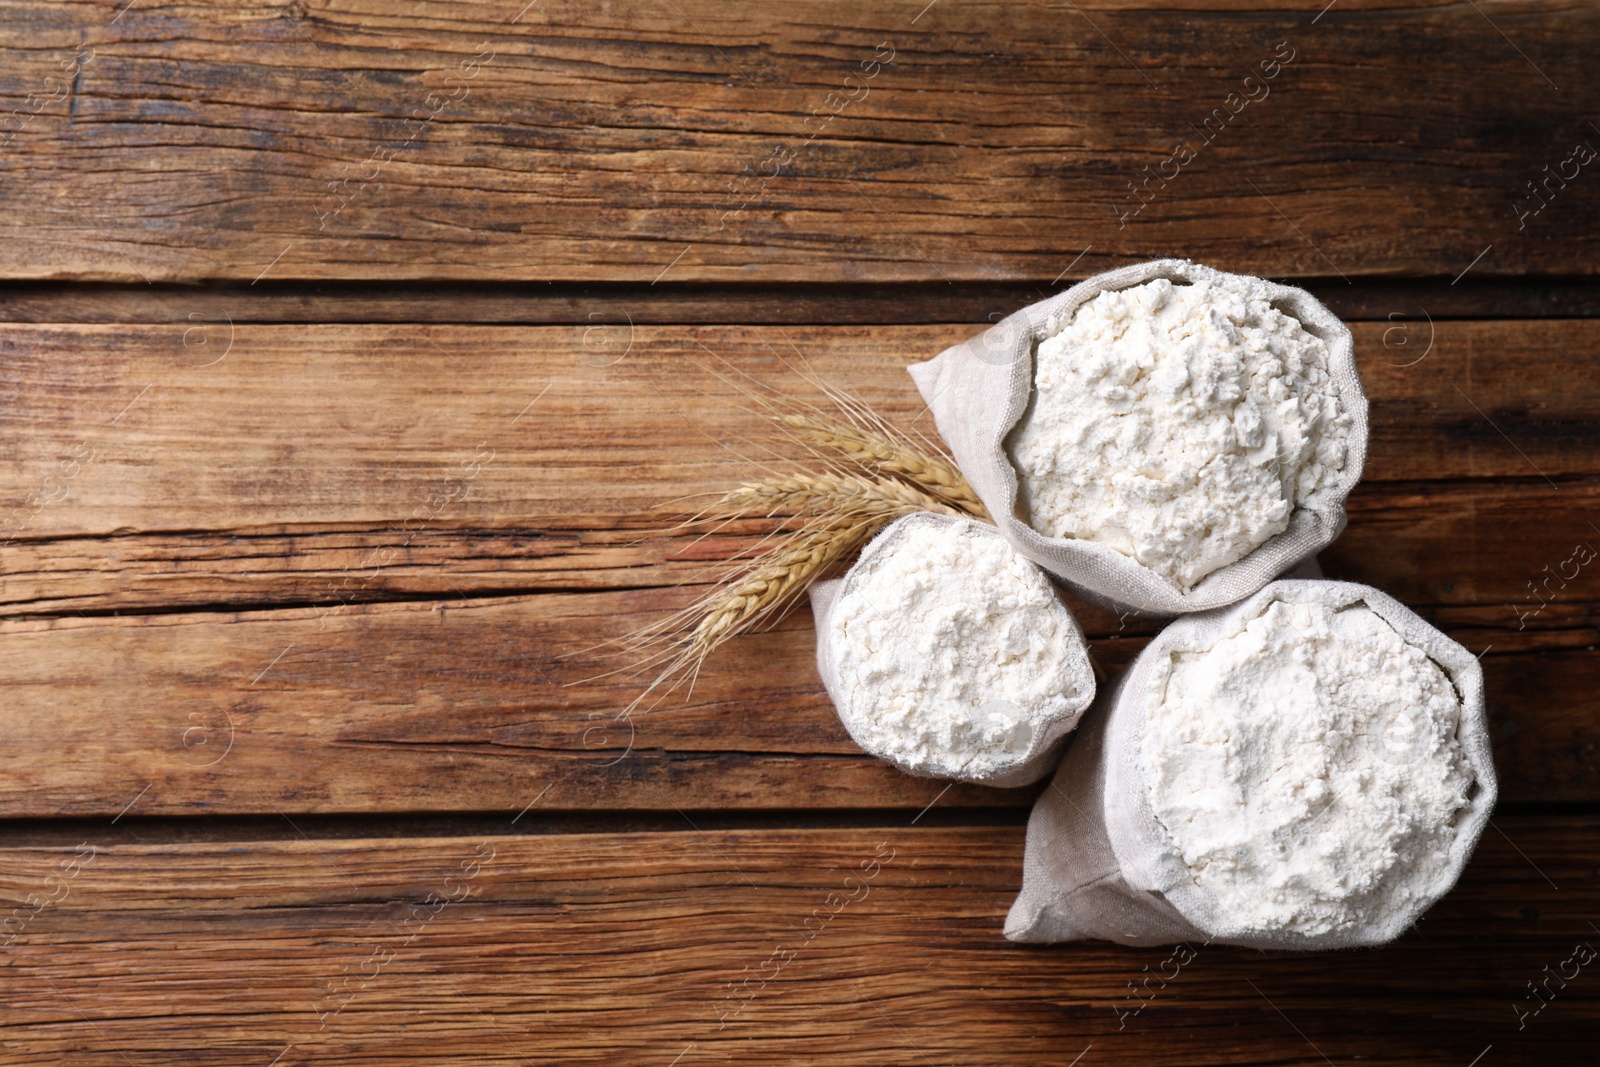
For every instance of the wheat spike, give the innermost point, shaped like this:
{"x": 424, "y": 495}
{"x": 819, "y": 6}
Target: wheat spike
{"x": 871, "y": 474}
{"x": 766, "y": 587}
{"x": 830, "y": 494}
{"x": 853, "y": 509}
{"x": 880, "y": 452}
{"x": 774, "y": 582}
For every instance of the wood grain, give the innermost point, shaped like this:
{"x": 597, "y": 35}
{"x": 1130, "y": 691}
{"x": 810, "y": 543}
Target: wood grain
{"x": 346, "y": 139}
{"x": 638, "y": 948}
{"x": 1475, "y": 554}
{"x": 481, "y": 705}
{"x": 363, "y": 563}
{"x": 272, "y": 428}
{"x": 356, "y": 353}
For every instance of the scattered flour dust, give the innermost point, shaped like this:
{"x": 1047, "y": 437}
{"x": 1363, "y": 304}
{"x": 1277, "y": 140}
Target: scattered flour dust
{"x": 1307, "y": 768}
{"x": 953, "y": 651}
{"x": 1179, "y": 424}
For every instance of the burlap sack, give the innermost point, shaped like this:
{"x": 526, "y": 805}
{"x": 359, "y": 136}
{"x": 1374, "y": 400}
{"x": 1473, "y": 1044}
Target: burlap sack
{"x": 979, "y": 389}
{"x": 1098, "y": 864}
{"x": 1048, "y": 737}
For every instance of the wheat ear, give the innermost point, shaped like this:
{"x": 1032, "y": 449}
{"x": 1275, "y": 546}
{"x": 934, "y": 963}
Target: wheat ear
{"x": 853, "y": 510}
{"x": 766, "y": 587}
{"x": 879, "y": 452}
{"x": 773, "y": 583}
{"x": 830, "y": 494}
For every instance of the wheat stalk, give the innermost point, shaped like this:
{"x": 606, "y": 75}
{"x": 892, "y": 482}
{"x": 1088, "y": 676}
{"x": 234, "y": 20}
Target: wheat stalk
{"x": 880, "y": 452}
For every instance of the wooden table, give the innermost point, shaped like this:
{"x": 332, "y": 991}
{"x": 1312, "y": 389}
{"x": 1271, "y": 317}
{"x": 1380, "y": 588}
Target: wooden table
{"x": 351, "y": 349}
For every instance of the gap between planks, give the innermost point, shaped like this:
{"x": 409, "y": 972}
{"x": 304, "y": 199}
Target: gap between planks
{"x": 1393, "y": 300}
{"x": 46, "y": 832}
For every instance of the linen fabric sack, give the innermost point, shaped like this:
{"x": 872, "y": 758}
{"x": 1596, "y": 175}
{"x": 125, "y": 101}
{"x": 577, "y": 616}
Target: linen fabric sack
{"x": 980, "y": 389}
{"x": 1098, "y": 864}
{"x": 1045, "y": 747}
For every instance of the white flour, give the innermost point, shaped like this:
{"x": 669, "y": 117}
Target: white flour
{"x": 1179, "y": 424}
{"x": 952, "y": 651}
{"x": 1307, "y": 768}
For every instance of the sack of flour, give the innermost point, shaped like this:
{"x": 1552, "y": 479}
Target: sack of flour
{"x": 950, "y": 656}
{"x": 1165, "y": 437}
{"x": 1307, "y": 769}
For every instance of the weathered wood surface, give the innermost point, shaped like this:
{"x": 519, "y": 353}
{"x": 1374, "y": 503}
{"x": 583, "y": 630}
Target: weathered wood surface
{"x": 469, "y": 706}
{"x": 211, "y": 426}
{"x": 355, "y": 568}
{"x": 908, "y": 141}
{"x": 303, "y": 563}
{"x": 852, "y": 946}
{"x": 1478, "y": 553}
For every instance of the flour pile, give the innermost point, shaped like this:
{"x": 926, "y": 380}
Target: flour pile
{"x": 1307, "y": 768}
{"x": 1180, "y": 424}
{"x": 953, "y": 655}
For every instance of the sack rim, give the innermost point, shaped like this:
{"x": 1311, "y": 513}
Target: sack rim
{"x": 1098, "y": 570}
{"x": 1150, "y": 861}
{"x": 1046, "y": 742}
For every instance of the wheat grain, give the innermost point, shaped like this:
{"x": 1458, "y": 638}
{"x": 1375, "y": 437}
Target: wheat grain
{"x": 768, "y": 585}
{"x": 773, "y": 582}
{"x": 884, "y": 475}
{"x": 829, "y": 494}
{"x": 881, "y": 452}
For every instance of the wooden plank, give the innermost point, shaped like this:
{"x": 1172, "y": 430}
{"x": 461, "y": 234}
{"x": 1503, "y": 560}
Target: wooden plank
{"x": 848, "y": 946}
{"x": 439, "y": 706}
{"x": 811, "y": 142}
{"x": 1472, "y": 554}
{"x": 490, "y": 705}
{"x": 1491, "y": 545}
{"x": 494, "y": 480}
{"x": 270, "y": 428}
